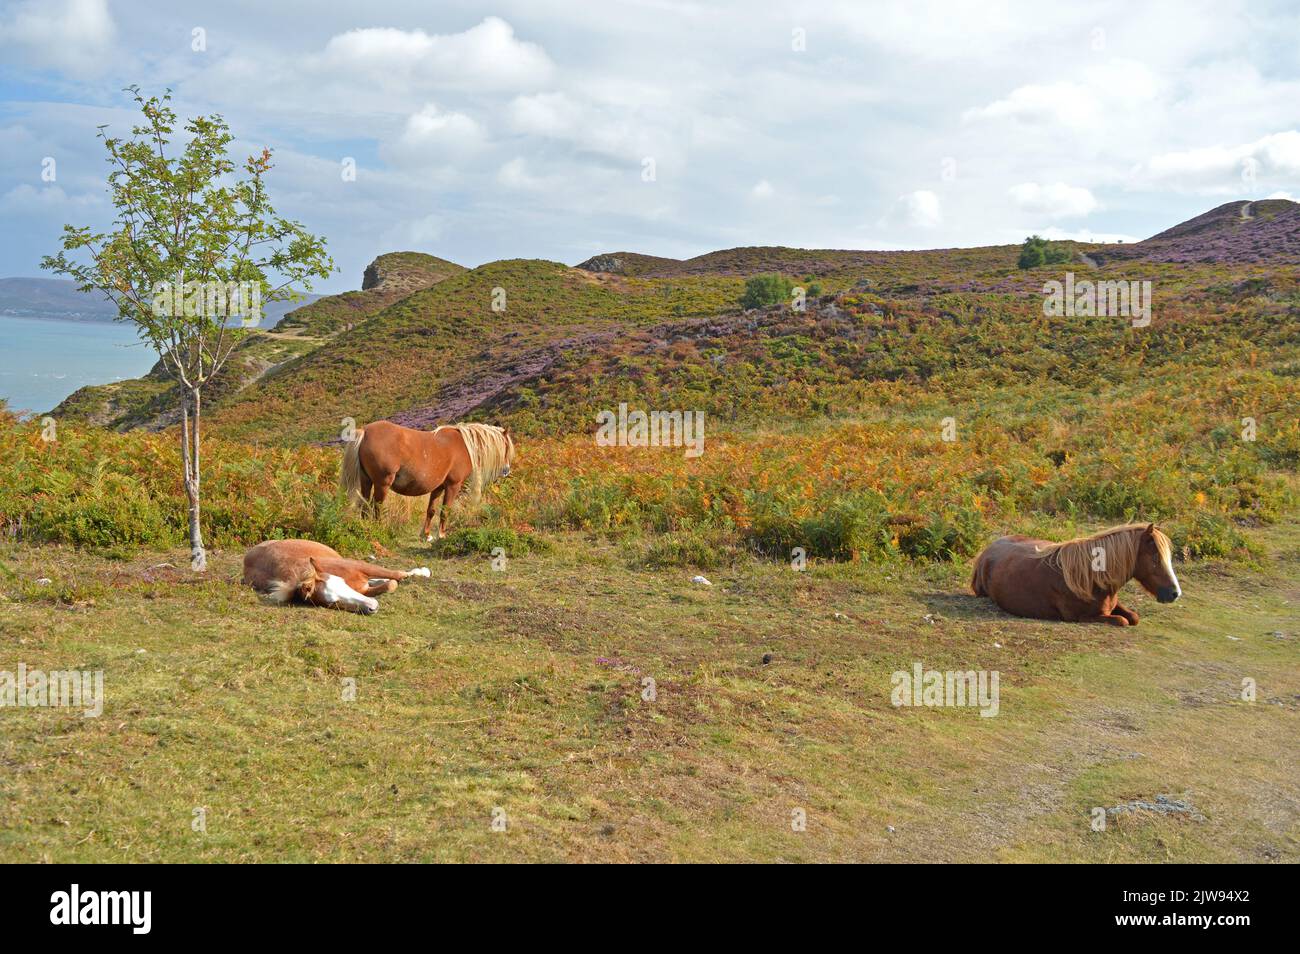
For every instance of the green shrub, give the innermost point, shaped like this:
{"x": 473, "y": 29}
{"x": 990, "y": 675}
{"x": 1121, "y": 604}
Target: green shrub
{"x": 953, "y": 535}
{"x": 705, "y": 550}
{"x": 337, "y": 525}
{"x": 114, "y": 517}
{"x": 1038, "y": 251}
{"x": 843, "y": 528}
{"x": 1207, "y": 535}
{"x": 594, "y": 506}
{"x": 471, "y": 541}
{"x": 764, "y": 290}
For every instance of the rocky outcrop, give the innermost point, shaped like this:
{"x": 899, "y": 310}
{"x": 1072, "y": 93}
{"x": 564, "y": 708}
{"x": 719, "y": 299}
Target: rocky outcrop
{"x": 406, "y": 272}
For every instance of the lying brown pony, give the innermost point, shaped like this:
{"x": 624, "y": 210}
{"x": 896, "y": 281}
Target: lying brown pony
{"x": 1078, "y": 580}
{"x": 303, "y": 571}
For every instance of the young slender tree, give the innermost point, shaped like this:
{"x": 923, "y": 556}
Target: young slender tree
{"x": 194, "y": 247}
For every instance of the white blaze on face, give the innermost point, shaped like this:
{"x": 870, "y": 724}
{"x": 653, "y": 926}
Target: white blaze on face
{"x": 1169, "y": 568}
{"x": 337, "y": 591}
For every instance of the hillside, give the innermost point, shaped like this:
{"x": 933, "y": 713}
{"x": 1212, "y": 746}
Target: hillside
{"x": 1264, "y": 231}
{"x": 571, "y": 340}
{"x": 1267, "y": 231}
{"x": 753, "y": 260}
{"x": 456, "y": 354}
{"x": 434, "y": 350}
{"x": 152, "y": 401}
{"x": 447, "y": 339}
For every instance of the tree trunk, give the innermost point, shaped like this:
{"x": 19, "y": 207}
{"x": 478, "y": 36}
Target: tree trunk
{"x": 191, "y": 410}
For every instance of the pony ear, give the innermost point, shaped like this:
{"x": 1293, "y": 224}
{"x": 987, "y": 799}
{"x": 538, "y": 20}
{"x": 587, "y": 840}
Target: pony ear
{"x": 310, "y": 577}
{"x": 317, "y": 572}
{"x": 1151, "y": 529}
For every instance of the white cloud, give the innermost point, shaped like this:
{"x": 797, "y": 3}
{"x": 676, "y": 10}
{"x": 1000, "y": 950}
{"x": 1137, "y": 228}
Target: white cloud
{"x": 1224, "y": 170}
{"x": 921, "y": 209}
{"x": 1103, "y": 96}
{"x": 46, "y": 198}
{"x": 72, "y": 35}
{"x": 515, "y": 175}
{"x": 545, "y": 114}
{"x": 951, "y": 31}
{"x": 487, "y": 56}
{"x": 622, "y": 132}
{"x": 1056, "y": 201}
{"x": 426, "y": 229}
{"x": 1067, "y": 104}
{"x": 434, "y": 136}
{"x": 541, "y": 123}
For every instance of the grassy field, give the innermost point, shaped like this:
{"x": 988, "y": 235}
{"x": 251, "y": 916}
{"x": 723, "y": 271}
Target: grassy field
{"x": 521, "y": 691}
{"x": 920, "y": 405}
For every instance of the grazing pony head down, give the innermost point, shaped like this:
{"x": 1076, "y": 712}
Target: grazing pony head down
{"x": 1108, "y": 560}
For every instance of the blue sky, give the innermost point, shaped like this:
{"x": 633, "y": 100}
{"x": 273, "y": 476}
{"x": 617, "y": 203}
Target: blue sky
{"x": 488, "y": 131}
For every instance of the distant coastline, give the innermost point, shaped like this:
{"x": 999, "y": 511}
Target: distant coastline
{"x": 54, "y": 316}
{"x": 57, "y": 299}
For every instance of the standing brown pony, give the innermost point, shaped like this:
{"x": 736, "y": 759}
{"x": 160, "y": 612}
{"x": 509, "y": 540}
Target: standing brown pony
{"x": 384, "y": 457}
{"x": 1078, "y": 580}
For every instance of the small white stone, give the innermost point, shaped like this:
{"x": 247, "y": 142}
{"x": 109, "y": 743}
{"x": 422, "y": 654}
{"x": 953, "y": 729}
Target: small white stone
{"x": 701, "y": 580}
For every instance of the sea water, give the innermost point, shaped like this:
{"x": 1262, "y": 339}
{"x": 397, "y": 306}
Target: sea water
{"x": 43, "y": 360}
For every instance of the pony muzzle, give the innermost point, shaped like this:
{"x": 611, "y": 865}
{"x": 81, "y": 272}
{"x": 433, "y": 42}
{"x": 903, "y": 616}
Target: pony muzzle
{"x": 336, "y": 592}
{"x": 1167, "y": 594}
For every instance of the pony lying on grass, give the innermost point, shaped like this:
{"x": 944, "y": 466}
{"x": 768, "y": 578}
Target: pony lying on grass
{"x": 384, "y": 457}
{"x": 1079, "y": 580}
{"x": 303, "y": 571}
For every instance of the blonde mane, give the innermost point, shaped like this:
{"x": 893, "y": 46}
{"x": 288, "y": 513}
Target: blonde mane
{"x": 1075, "y": 558}
{"x": 489, "y": 453}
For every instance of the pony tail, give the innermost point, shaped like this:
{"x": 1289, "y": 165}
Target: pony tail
{"x": 350, "y": 471}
